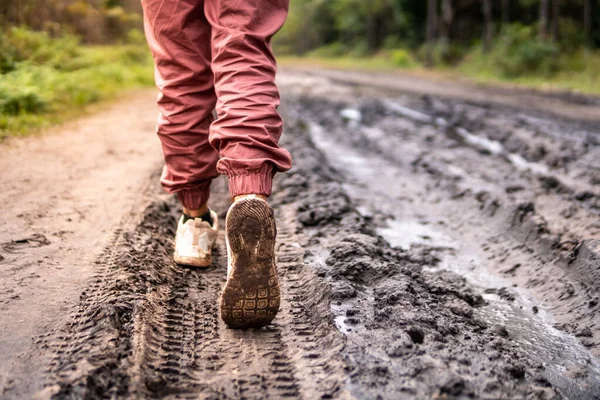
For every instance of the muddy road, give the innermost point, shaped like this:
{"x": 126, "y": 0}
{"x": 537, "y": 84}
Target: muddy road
{"x": 430, "y": 246}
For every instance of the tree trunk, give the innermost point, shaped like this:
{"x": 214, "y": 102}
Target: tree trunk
{"x": 432, "y": 20}
{"x": 543, "y": 17}
{"x": 432, "y": 28}
{"x": 555, "y": 20}
{"x": 488, "y": 28}
{"x": 587, "y": 20}
{"x": 505, "y": 12}
{"x": 371, "y": 30}
{"x": 446, "y": 25}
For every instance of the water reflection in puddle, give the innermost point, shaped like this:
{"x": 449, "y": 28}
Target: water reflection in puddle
{"x": 405, "y": 233}
{"x": 559, "y": 352}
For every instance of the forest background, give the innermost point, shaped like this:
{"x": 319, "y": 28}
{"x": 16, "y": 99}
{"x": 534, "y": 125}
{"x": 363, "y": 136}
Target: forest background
{"x": 59, "y": 56}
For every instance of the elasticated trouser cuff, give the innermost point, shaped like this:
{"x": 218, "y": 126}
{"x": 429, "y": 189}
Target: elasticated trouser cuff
{"x": 224, "y": 54}
{"x": 251, "y": 184}
{"x": 195, "y": 198}
{"x": 259, "y": 183}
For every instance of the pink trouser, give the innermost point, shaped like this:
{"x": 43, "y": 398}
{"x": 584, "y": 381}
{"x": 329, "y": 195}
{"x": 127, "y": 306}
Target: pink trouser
{"x": 217, "y": 53}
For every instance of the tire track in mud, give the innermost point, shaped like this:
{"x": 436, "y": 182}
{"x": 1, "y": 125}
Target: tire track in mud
{"x": 409, "y": 333}
{"x": 99, "y": 311}
{"x": 308, "y": 318}
{"x": 93, "y": 356}
{"x": 556, "y": 233}
{"x": 147, "y": 328}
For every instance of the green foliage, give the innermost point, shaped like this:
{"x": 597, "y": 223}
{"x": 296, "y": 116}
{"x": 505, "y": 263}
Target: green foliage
{"x": 118, "y": 22}
{"x": 49, "y": 77}
{"x": 359, "y": 24}
{"x": 37, "y": 47}
{"x": 94, "y": 21}
{"x": 392, "y": 42}
{"x": 360, "y": 49}
{"x": 571, "y": 35}
{"x": 519, "y": 52}
{"x": 135, "y": 36}
{"x": 7, "y": 55}
{"x": 440, "y": 54}
{"x": 310, "y": 24}
{"x": 332, "y": 50}
{"x": 21, "y": 101}
{"x": 401, "y": 58}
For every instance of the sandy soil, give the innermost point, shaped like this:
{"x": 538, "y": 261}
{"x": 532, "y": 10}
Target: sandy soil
{"x": 62, "y": 195}
{"x": 429, "y": 247}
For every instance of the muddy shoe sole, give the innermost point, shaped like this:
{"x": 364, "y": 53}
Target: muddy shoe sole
{"x": 251, "y": 295}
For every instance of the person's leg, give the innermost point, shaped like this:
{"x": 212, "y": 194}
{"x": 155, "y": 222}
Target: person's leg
{"x": 246, "y": 134}
{"x": 179, "y": 36}
{"x": 248, "y": 127}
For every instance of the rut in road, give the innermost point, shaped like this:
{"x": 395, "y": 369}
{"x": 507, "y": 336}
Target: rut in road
{"x": 359, "y": 318}
{"x": 455, "y": 205}
{"x": 148, "y": 328}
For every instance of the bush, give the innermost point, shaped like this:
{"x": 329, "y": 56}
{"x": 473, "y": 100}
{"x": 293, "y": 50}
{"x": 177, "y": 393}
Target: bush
{"x": 24, "y": 100}
{"x": 38, "y": 47}
{"x": 43, "y": 78}
{"x": 333, "y": 50}
{"x": 440, "y": 53}
{"x": 571, "y": 36}
{"x": 135, "y": 36}
{"x": 20, "y": 91}
{"x": 518, "y": 52}
{"x": 7, "y": 55}
{"x": 401, "y": 58}
{"x": 360, "y": 49}
{"x": 392, "y": 42}
{"x": 134, "y": 54}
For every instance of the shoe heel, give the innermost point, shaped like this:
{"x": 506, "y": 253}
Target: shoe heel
{"x": 251, "y": 296}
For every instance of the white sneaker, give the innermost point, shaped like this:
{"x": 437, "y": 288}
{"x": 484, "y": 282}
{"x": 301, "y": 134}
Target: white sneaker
{"x": 194, "y": 241}
{"x": 251, "y": 295}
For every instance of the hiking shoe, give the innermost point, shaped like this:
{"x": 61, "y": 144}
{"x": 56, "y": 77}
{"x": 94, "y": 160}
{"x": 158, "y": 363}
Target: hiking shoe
{"x": 194, "y": 241}
{"x": 251, "y": 297}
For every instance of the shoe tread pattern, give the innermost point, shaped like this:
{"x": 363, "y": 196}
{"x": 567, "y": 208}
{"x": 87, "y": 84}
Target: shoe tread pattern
{"x": 251, "y": 296}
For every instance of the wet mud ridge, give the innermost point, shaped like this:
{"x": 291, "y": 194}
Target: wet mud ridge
{"x": 147, "y": 328}
{"x": 464, "y": 189}
{"x": 363, "y": 316}
{"x": 409, "y": 333}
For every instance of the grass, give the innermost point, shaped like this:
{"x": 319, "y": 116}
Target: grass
{"x": 44, "y": 80}
{"x": 365, "y": 64}
{"x": 37, "y": 91}
{"x": 578, "y": 72}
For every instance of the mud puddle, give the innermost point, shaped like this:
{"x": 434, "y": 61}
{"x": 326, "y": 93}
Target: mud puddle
{"x": 568, "y": 365}
{"x": 408, "y": 233}
{"x": 409, "y": 334}
{"x": 548, "y": 215}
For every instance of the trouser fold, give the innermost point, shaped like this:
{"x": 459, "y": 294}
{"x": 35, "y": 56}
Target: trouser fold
{"x": 216, "y": 54}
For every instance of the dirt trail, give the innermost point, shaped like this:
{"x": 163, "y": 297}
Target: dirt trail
{"x": 428, "y": 248}
{"x": 562, "y": 104}
{"x": 153, "y": 329}
{"x": 62, "y": 196}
